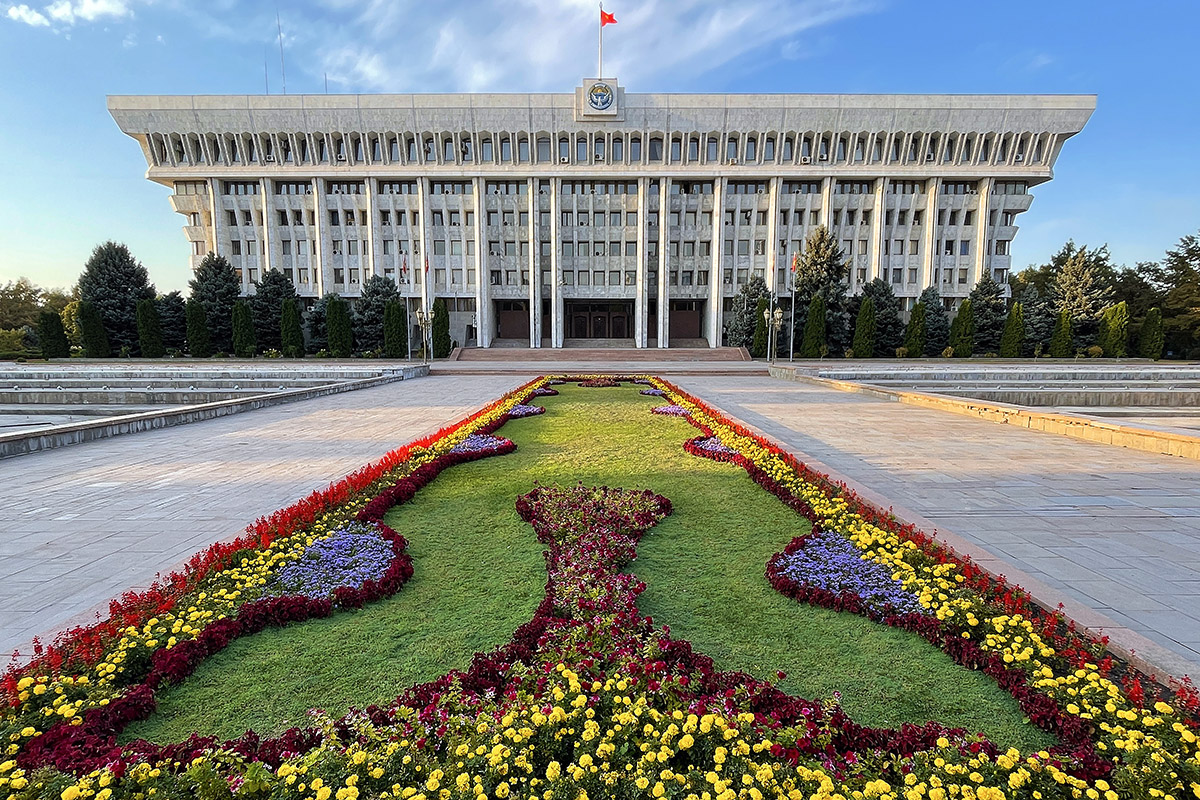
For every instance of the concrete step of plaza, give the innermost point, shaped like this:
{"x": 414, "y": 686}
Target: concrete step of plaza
{"x": 613, "y": 354}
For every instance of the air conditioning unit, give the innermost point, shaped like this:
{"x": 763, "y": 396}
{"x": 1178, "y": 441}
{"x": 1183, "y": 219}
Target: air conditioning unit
{"x": 824, "y": 158}
{"x": 805, "y": 159}
{"x": 972, "y": 191}
{"x": 928, "y": 158}
{"x": 269, "y": 159}
{"x": 564, "y": 160}
{"x": 733, "y": 162}
{"x": 341, "y": 158}
{"x": 1019, "y": 158}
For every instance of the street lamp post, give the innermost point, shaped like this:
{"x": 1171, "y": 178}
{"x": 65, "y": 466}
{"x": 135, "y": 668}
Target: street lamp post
{"x": 424, "y": 320}
{"x": 792, "y": 325}
{"x": 774, "y": 321}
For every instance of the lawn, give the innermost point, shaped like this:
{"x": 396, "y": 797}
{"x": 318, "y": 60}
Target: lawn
{"x": 479, "y": 574}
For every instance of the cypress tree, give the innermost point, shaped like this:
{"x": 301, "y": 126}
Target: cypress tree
{"x": 1114, "y": 330}
{"x": 377, "y": 292}
{"x": 441, "y": 329}
{"x": 173, "y": 319}
{"x": 742, "y": 323}
{"x": 267, "y": 305}
{"x": 914, "y": 334}
{"x": 337, "y": 323}
{"x": 889, "y": 331}
{"x": 53, "y": 336}
{"x": 91, "y": 331}
{"x": 217, "y": 286}
{"x": 962, "y": 331}
{"x": 758, "y": 343}
{"x": 814, "y": 329}
{"x": 1151, "y": 342}
{"x": 1060, "y": 340}
{"x": 864, "y": 330}
{"x": 291, "y": 336}
{"x": 243, "y": 330}
{"x": 318, "y": 335}
{"x": 937, "y": 324}
{"x": 987, "y": 314}
{"x": 149, "y": 329}
{"x": 1039, "y": 321}
{"x": 112, "y": 283}
{"x": 198, "y": 342}
{"x": 395, "y": 329}
{"x": 1013, "y": 340}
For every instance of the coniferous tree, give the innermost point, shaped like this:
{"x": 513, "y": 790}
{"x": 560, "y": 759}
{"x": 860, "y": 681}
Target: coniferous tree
{"x": 267, "y": 306}
{"x": 242, "y": 323}
{"x": 216, "y": 285}
{"x": 377, "y": 292}
{"x": 1081, "y": 290}
{"x": 1039, "y": 321}
{"x": 813, "y": 345}
{"x": 864, "y": 330}
{"x": 937, "y": 324}
{"x": 1061, "y": 345}
{"x": 1113, "y": 338}
{"x": 337, "y": 321}
{"x": 758, "y": 344}
{"x": 112, "y": 283}
{"x": 318, "y": 335}
{"x": 440, "y": 330}
{"x": 52, "y": 337}
{"x": 1151, "y": 343}
{"x": 70, "y": 321}
{"x": 92, "y": 333}
{"x": 198, "y": 343}
{"x": 988, "y": 314}
{"x": 889, "y": 330}
{"x": 962, "y": 331}
{"x": 150, "y": 339}
{"x": 914, "y": 333}
{"x": 741, "y": 323}
{"x": 291, "y": 335}
{"x": 1013, "y": 340}
{"x": 172, "y": 315}
{"x": 821, "y": 270}
{"x": 395, "y": 329}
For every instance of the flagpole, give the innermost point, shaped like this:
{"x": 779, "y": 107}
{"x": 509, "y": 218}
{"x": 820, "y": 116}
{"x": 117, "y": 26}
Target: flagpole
{"x": 600, "y": 50}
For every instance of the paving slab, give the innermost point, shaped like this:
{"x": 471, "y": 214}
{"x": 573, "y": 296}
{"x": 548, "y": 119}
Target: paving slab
{"x": 1072, "y": 514}
{"x": 81, "y": 525}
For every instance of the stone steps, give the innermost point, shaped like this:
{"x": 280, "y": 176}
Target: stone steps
{"x": 641, "y": 355}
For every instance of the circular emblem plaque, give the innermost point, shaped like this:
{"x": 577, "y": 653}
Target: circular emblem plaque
{"x": 600, "y": 96}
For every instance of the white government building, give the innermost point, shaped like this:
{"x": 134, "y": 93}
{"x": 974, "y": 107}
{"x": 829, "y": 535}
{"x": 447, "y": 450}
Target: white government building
{"x": 544, "y": 219}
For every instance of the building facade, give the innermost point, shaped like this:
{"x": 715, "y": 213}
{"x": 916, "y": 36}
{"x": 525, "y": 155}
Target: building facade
{"x": 543, "y": 219}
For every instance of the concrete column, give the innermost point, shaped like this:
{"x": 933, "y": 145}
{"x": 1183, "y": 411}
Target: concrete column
{"x": 827, "y": 203}
{"x": 483, "y": 302}
{"x": 877, "y": 233}
{"x": 641, "y": 302}
{"x": 664, "y": 302}
{"x": 213, "y": 186}
{"x": 535, "y": 288}
{"x": 558, "y": 332}
{"x": 716, "y": 278}
{"x": 267, "y": 226}
{"x": 318, "y": 258}
{"x": 981, "y": 261}
{"x": 643, "y": 211}
{"x": 422, "y": 259}
{"x": 371, "y": 268}
{"x": 772, "y": 233}
{"x": 931, "y": 214}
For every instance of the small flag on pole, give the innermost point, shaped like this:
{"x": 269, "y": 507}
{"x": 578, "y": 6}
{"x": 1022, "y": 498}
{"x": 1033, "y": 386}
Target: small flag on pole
{"x": 405, "y": 267}
{"x": 606, "y": 18}
{"x": 795, "y": 258}
{"x": 426, "y": 265}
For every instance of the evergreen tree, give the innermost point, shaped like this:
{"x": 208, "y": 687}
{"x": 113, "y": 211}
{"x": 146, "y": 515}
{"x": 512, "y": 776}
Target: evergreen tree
{"x": 242, "y": 324}
{"x": 1013, "y": 340}
{"x": 216, "y": 285}
{"x": 1039, "y": 322}
{"x": 864, "y": 330}
{"x": 52, "y": 336}
{"x": 267, "y": 306}
{"x": 1181, "y": 319}
{"x": 758, "y": 344}
{"x": 395, "y": 329}
{"x": 741, "y": 324}
{"x": 937, "y": 324}
{"x": 1080, "y": 290}
{"x": 1113, "y": 337}
{"x": 318, "y": 337}
{"x": 962, "y": 331}
{"x": 92, "y": 333}
{"x": 813, "y": 344}
{"x": 112, "y": 283}
{"x": 337, "y": 320}
{"x": 198, "y": 343}
{"x": 914, "y": 334}
{"x": 291, "y": 335}
{"x": 1060, "y": 341}
{"x": 150, "y": 339}
{"x": 440, "y": 331}
{"x": 172, "y": 316}
{"x": 889, "y": 330}
{"x": 1151, "y": 343}
{"x": 377, "y": 292}
{"x": 70, "y": 321}
{"x": 821, "y": 270}
{"x": 988, "y": 313}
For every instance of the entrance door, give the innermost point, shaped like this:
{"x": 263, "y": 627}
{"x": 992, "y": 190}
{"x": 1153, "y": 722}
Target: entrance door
{"x": 599, "y": 326}
{"x": 619, "y": 325}
{"x": 579, "y": 326}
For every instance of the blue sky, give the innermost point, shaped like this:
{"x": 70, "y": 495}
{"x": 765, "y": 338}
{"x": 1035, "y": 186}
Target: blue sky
{"x": 72, "y": 180}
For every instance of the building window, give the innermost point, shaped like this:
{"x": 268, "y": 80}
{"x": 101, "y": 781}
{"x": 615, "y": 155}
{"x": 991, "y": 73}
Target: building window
{"x": 1002, "y": 247}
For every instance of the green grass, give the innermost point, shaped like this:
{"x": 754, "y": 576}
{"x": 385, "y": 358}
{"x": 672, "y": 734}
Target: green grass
{"x": 479, "y": 574}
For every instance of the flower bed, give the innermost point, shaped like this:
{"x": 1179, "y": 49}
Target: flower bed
{"x": 589, "y": 699}
{"x": 522, "y": 411}
{"x": 544, "y": 391}
{"x": 652, "y": 392}
{"x": 670, "y": 411}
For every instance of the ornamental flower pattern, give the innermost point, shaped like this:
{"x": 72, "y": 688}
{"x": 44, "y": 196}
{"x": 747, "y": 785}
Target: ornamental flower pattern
{"x": 350, "y": 557}
{"x": 670, "y": 411}
{"x": 829, "y": 561}
{"x": 522, "y": 411}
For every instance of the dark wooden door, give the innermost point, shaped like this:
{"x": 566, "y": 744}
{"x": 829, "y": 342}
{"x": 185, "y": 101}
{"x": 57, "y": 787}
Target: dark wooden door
{"x": 599, "y": 326}
{"x": 620, "y": 326}
{"x": 579, "y": 326}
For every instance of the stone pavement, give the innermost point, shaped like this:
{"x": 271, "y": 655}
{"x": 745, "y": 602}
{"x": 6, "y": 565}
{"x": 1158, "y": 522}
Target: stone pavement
{"x": 80, "y": 525}
{"x": 1117, "y": 530}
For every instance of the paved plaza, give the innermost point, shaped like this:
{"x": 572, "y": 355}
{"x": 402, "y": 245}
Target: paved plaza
{"x": 83, "y": 524}
{"x": 1115, "y": 529}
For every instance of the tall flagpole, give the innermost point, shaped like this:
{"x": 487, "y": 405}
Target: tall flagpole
{"x": 600, "y": 51}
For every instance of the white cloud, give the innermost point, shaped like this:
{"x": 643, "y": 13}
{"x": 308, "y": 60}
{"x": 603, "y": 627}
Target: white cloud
{"x": 29, "y": 16}
{"x": 66, "y": 12}
{"x": 129, "y": 41}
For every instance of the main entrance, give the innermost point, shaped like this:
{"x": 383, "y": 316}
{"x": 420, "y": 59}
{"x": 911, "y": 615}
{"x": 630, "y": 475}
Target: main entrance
{"x": 599, "y": 320}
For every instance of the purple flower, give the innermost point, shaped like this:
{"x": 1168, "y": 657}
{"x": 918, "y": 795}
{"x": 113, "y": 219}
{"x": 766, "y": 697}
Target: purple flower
{"x": 479, "y": 443}
{"x": 653, "y": 392}
{"x": 522, "y": 410}
{"x": 670, "y": 411}
{"x": 714, "y": 445}
{"x": 830, "y": 561}
{"x": 350, "y": 557}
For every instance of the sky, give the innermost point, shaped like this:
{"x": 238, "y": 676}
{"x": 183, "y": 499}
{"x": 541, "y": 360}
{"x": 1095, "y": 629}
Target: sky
{"x": 71, "y": 179}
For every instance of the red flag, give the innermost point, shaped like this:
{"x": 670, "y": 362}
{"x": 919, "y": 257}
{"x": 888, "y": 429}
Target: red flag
{"x": 426, "y": 265}
{"x": 405, "y": 265}
{"x": 606, "y": 18}
{"x": 795, "y": 258}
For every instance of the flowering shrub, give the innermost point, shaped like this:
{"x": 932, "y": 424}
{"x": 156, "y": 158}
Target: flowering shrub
{"x": 521, "y": 411}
